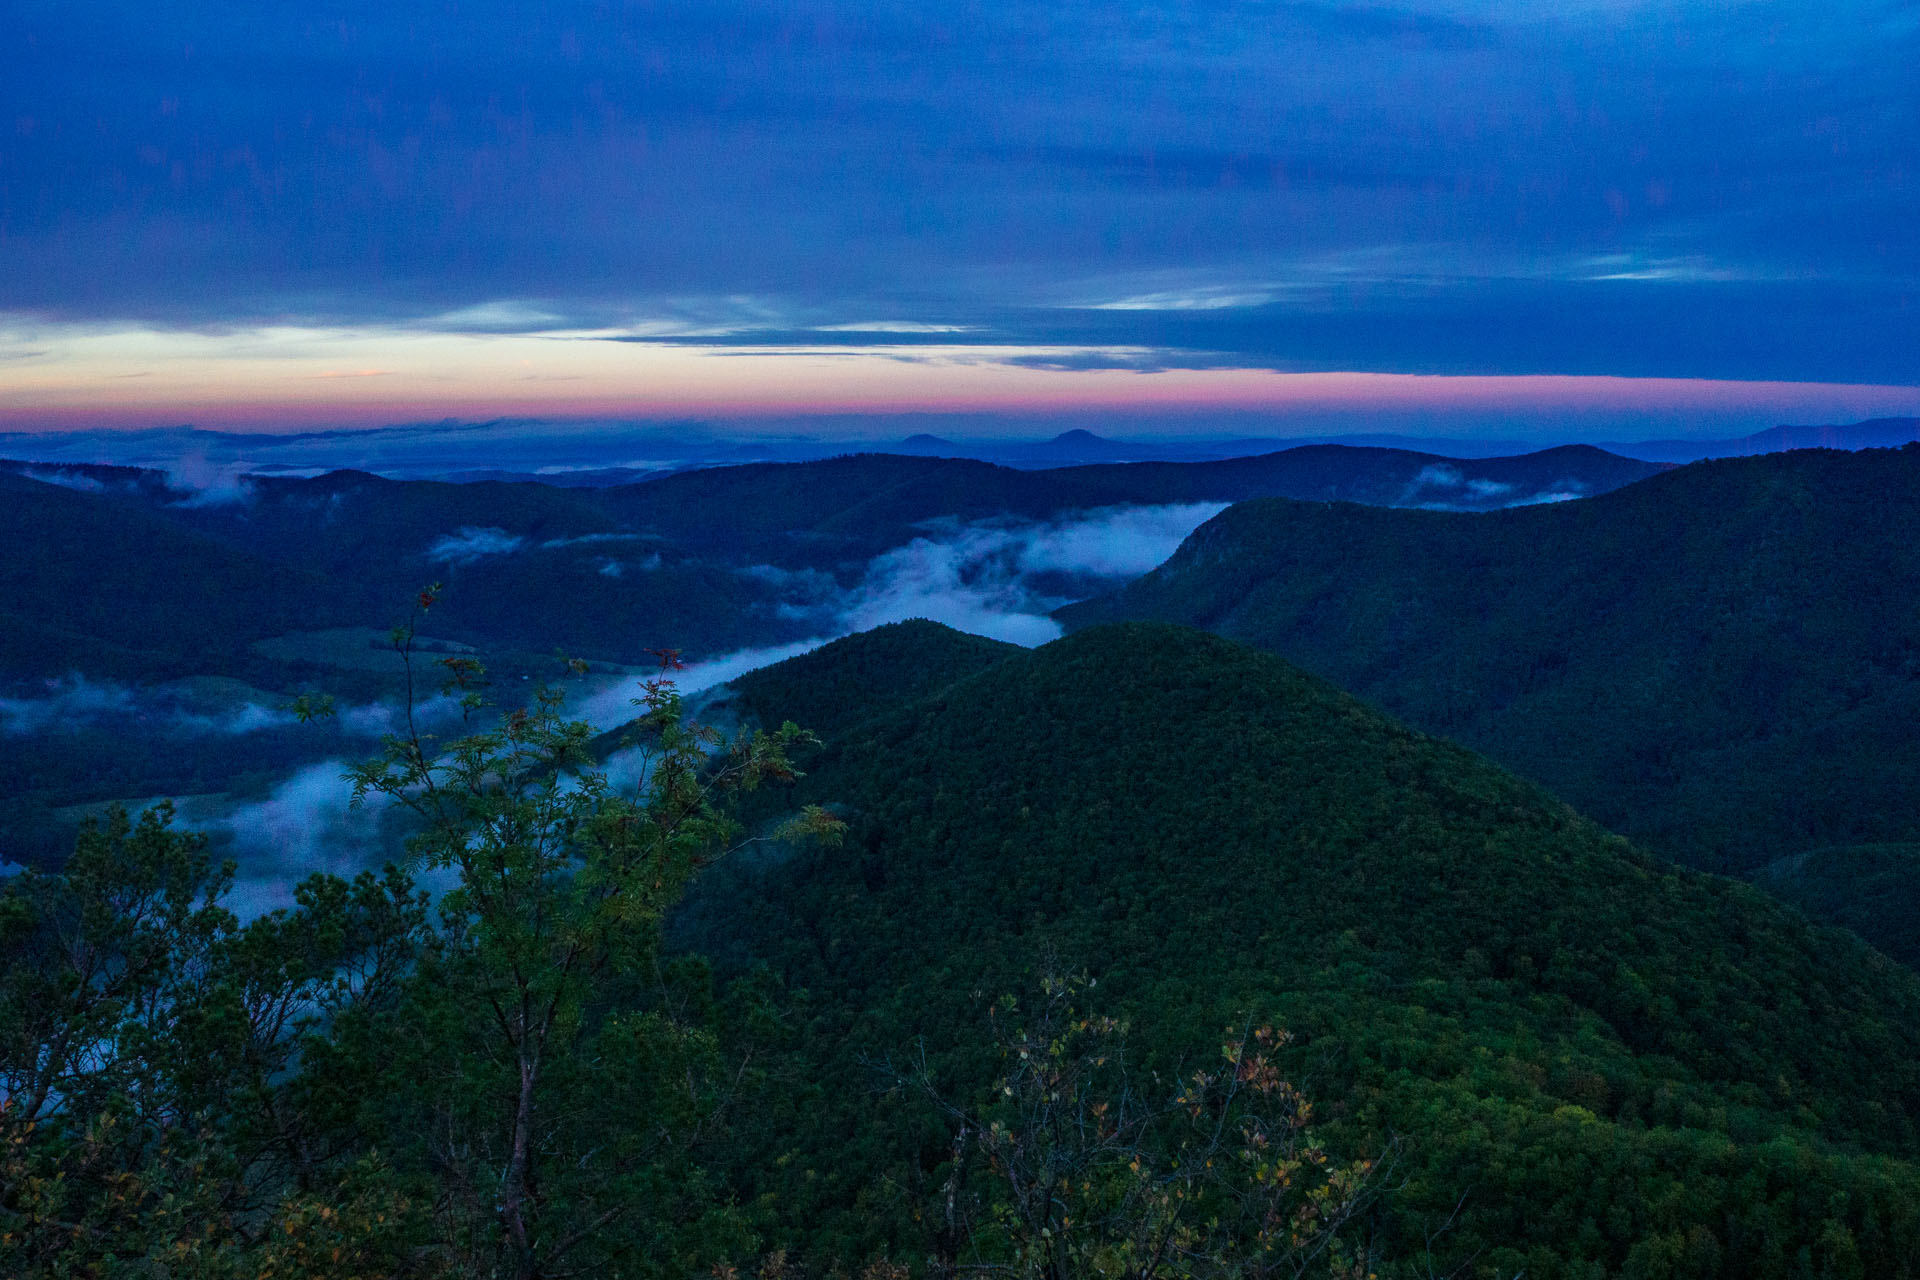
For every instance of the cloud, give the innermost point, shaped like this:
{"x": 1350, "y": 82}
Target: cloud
{"x": 1479, "y": 493}
{"x": 1442, "y": 476}
{"x": 581, "y": 540}
{"x": 189, "y": 708}
{"x": 65, "y": 478}
{"x": 608, "y": 567}
{"x": 608, "y": 702}
{"x": 473, "y": 543}
{"x": 209, "y": 484}
{"x": 77, "y": 704}
{"x": 797, "y": 582}
{"x": 998, "y": 578}
{"x": 966, "y": 583}
{"x": 855, "y": 175}
{"x": 377, "y": 719}
{"x": 1123, "y": 542}
{"x": 68, "y": 705}
{"x": 995, "y": 578}
{"x": 307, "y": 824}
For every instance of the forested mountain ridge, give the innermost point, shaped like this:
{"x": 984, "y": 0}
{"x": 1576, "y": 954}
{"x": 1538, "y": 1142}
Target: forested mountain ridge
{"x": 1723, "y": 661}
{"x": 1872, "y": 889}
{"x": 104, "y": 583}
{"x": 1383, "y": 477}
{"x": 873, "y": 499}
{"x": 663, "y": 560}
{"x": 1597, "y": 1063}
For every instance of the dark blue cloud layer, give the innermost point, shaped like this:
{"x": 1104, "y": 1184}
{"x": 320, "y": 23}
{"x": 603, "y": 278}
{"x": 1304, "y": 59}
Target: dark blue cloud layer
{"x": 1692, "y": 189}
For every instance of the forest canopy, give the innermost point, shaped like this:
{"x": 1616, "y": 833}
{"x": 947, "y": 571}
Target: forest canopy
{"x": 1141, "y": 953}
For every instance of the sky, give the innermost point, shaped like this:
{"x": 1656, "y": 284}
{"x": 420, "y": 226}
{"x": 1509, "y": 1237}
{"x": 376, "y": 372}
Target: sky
{"x": 263, "y": 215}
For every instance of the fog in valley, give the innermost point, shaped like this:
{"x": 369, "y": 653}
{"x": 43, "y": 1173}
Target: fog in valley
{"x": 998, "y": 578}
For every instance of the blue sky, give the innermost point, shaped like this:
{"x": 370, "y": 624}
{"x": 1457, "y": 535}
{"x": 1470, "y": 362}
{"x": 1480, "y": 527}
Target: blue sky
{"x": 1724, "y": 191}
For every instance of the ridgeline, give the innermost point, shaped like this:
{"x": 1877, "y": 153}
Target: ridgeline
{"x": 1722, "y": 661}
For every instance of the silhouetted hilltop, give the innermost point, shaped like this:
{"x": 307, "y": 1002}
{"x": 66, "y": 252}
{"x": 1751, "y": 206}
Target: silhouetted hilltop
{"x": 1381, "y": 477}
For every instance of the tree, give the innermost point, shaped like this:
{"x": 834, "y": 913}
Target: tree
{"x": 150, "y": 1047}
{"x": 552, "y": 1093}
{"x": 505, "y": 1081}
{"x": 1079, "y": 1167}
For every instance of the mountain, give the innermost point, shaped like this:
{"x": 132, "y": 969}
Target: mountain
{"x": 863, "y": 503}
{"x": 615, "y": 452}
{"x": 289, "y": 583}
{"x": 1081, "y": 445}
{"x": 102, "y": 582}
{"x": 922, "y": 444}
{"x": 853, "y": 507}
{"x": 1379, "y": 477}
{"x": 1876, "y": 433}
{"x": 1595, "y": 1063}
{"x": 1871, "y": 889}
{"x": 272, "y": 555}
{"x": 1723, "y": 661}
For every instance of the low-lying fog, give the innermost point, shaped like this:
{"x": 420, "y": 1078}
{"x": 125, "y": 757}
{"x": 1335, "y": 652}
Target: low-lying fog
{"x": 997, "y": 578}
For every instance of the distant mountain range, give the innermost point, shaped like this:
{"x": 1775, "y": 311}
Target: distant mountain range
{"x": 609, "y": 454}
{"x": 1878, "y": 433}
{"x": 1722, "y": 661}
{"x": 520, "y": 558}
{"x": 593, "y": 455}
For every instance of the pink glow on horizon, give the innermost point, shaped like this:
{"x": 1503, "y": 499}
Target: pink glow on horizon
{"x": 295, "y": 378}
{"x": 1109, "y": 392}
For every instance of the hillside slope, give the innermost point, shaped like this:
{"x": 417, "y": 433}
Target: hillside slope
{"x": 1875, "y": 433}
{"x": 864, "y": 503}
{"x": 1381, "y": 477}
{"x": 1723, "y": 661}
{"x": 1622, "y": 1067}
{"x": 104, "y": 584}
{"x": 1872, "y": 889}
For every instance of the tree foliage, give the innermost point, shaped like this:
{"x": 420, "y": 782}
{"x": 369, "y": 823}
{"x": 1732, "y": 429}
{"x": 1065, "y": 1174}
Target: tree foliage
{"x": 506, "y": 1059}
{"x": 151, "y": 1101}
{"x": 506, "y": 1081}
{"x": 1079, "y": 1164}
